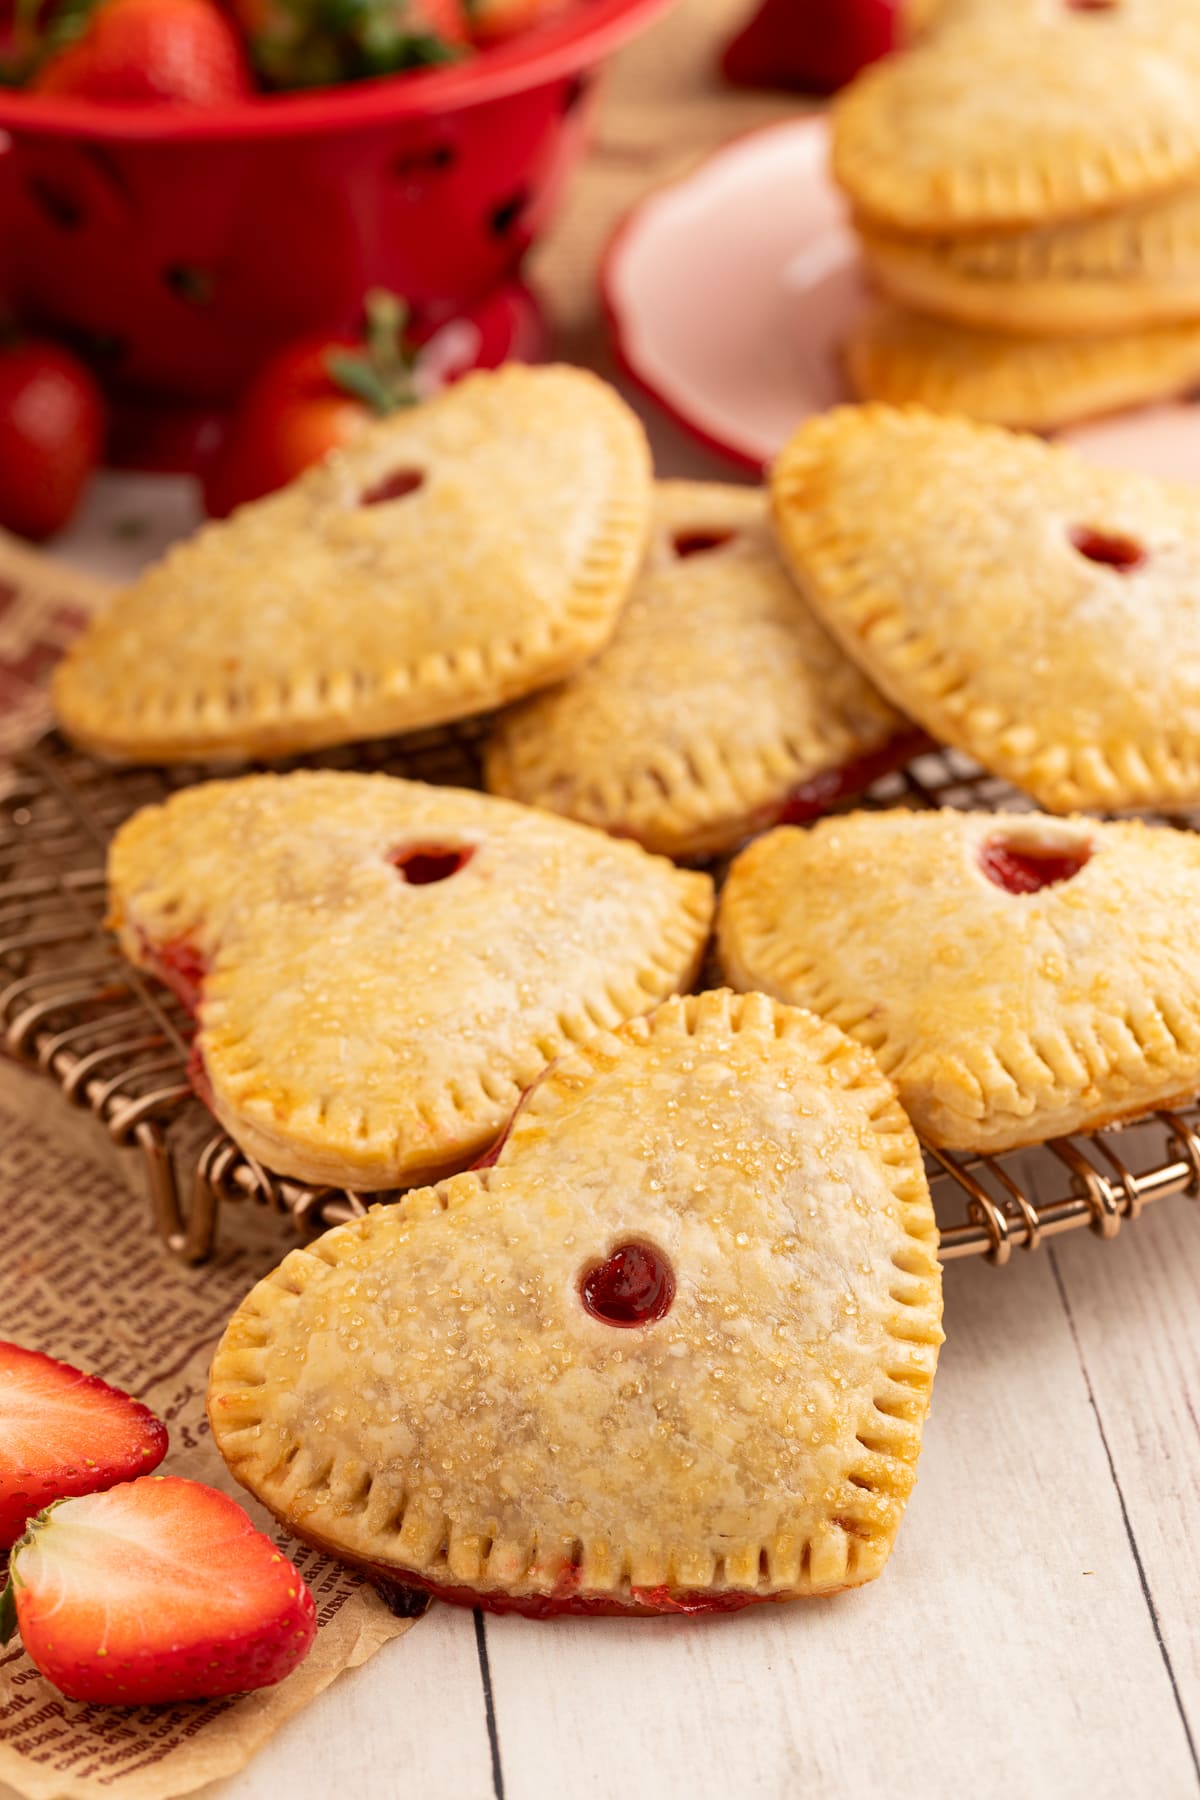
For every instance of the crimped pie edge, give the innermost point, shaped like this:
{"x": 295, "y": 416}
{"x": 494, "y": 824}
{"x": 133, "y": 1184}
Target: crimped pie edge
{"x": 349, "y": 1524}
{"x": 898, "y": 357}
{"x": 755, "y": 958}
{"x": 915, "y": 674}
{"x": 339, "y": 705}
{"x": 967, "y": 196}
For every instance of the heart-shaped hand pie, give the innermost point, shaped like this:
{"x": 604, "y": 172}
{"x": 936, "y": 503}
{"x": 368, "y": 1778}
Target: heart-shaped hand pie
{"x": 1124, "y": 271}
{"x": 1077, "y": 122}
{"x": 1018, "y": 977}
{"x": 654, "y": 740}
{"x": 1030, "y": 383}
{"x": 1034, "y": 610}
{"x": 673, "y": 1351}
{"x": 379, "y": 968}
{"x": 452, "y": 558}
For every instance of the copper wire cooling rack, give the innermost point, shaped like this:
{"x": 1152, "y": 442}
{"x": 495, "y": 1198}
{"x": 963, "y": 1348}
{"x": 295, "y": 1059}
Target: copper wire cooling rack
{"x": 118, "y": 1044}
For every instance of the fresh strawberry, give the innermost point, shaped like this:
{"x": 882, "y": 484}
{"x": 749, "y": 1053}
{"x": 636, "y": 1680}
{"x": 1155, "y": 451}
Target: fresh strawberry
{"x": 491, "y": 21}
{"x": 313, "y": 43}
{"x": 63, "y": 1432}
{"x": 309, "y": 399}
{"x": 140, "y": 52}
{"x": 51, "y": 435}
{"x": 160, "y": 1590}
{"x": 814, "y": 45}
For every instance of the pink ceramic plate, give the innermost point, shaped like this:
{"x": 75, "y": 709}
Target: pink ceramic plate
{"x": 730, "y": 291}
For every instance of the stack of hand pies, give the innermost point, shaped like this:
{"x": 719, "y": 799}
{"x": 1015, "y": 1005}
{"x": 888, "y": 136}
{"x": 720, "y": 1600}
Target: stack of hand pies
{"x": 654, "y": 1326}
{"x": 1025, "y": 182}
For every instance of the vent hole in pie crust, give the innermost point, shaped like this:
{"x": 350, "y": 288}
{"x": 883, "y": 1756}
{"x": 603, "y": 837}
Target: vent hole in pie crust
{"x": 394, "y": 487}
{"x": 1028, "y": 868}
{"x": 422, "y": 864}
{"x": 634, "y": 1285}
{"x": 696, "y": 543}
{"x": 1112, "y": 548}
{"x": 1092, "y": 5}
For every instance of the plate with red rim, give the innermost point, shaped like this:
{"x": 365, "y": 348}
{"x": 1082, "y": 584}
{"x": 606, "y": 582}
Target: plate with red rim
{"x": 729, "y": 292}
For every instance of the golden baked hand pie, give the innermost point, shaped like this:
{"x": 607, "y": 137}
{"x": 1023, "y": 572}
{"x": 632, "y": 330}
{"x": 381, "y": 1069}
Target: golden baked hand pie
{"x": 1034, "y": 384}
{"x": 1104, "y": 15}
{"x": 719, "y": 705}
{"x": 1121, "y": 272}
{"x": 671, "y": 1352}
{"x": 453, "y": 557}
{"x": 1019, "y": 603}
{"x": 1018, "y": 977}
{"x": 1000, "y": 128}
{"x": 379, "y": 968}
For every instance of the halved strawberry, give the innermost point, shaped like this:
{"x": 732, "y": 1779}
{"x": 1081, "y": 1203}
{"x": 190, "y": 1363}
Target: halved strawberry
{"x": 63, "y": 1432}
{"x": 160, "y": 1590}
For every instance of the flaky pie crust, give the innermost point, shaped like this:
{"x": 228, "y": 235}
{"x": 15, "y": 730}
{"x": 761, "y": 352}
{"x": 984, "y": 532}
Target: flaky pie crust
{"x": 717, "y": 696}
{"x": 1125, "y": 271}
{"x": 941, "y": 554}
{"x": 999, "y": 128}
{"x": 1003, "y": 1019}
{"x": 358, "y": 1030}
{"x": 903, "y": 358}
{"x": 310, "y": 618}
{"x": 422, "y": 1392}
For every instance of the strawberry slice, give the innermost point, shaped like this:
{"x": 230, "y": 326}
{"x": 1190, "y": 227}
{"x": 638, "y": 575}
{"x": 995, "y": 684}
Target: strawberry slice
{"x": 159, "y": 1590}
{"x": 63, "y": 1432}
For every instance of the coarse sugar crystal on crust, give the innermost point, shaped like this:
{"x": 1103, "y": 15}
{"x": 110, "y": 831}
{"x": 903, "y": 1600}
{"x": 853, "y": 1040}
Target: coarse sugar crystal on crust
{"x": 718, "y": 703}
{"x": 447, "y": 560}
{"x": 379, "y": 968}
{"x": 1019, "y": 977}
{"x": 1019, "y": 603}
{"x": 1002, "y": 128}
{"x": 1034, "y": 384}
{"x": 468, "y": 1390}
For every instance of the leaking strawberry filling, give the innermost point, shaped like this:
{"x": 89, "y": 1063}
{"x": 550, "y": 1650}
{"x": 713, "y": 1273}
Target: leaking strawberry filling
{"x": 828, "y": 788}
{"x": 635, "y": 1285}
{"x": 1027, "y": 870}
{"x": 422, "y": 864}
{"x": 565, "y": 1600}
{"x": 1111, "y": 548}
{"x": 179, "y": 965}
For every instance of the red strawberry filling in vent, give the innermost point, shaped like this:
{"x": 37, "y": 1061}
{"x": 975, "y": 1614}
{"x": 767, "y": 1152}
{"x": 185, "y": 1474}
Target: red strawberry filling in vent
{"x": 633, "y": 1286}
{"x": 422, "y": 864}
{"x": 821, "y": 792}
{"x": 1027, "y": 871}
{"x": 696, "y": 543}
{"x": 394, "y": 487}
{"x": 1112, "y": 548}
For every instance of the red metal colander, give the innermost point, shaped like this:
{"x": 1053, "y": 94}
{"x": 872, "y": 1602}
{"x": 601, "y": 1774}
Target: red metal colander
{"x": 176, "y": 248}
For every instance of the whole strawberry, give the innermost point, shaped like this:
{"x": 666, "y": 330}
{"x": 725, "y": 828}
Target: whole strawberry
{"x": 813, "y": 45}
{"x": 63, "y": 1432}
{"x": 145, "y": 52}
{"x": 160, "y": 1590}
{"x": 51, "y": 435}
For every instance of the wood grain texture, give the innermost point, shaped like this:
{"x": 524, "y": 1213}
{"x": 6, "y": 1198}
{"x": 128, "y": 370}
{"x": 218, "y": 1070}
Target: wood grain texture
{"x": 981, "y": 1664}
